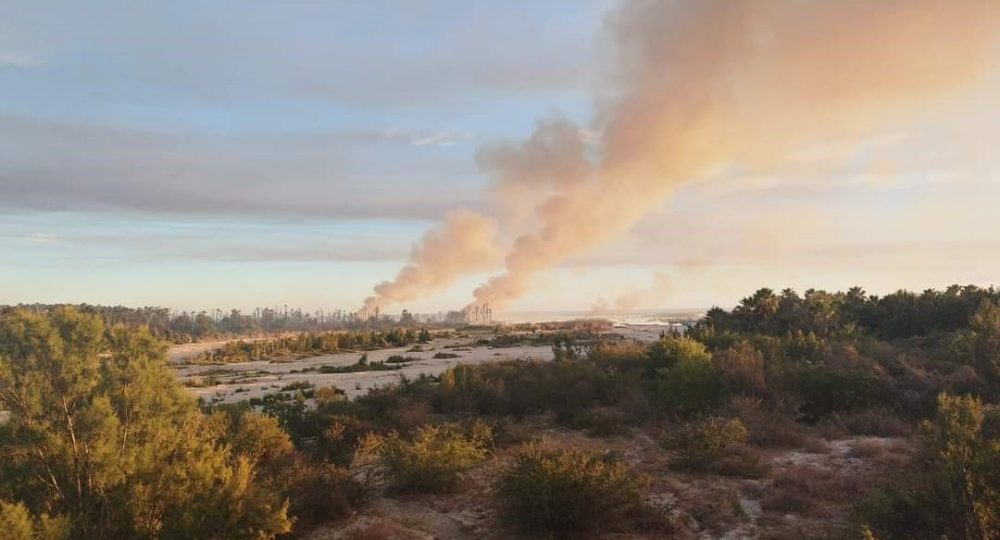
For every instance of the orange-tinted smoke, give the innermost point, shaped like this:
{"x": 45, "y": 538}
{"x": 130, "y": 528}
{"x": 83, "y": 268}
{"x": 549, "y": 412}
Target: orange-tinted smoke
{"x": 698, "y": 86}
{"x": 464, "y": 242}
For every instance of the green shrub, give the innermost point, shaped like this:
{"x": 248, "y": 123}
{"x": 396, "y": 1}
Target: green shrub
{"x": 826, "y": 391}
{"x": 971, "y": 462}
{"x": 621, "y": 355}
{"x": 522, "y": 387}
{"x": 434, "y": 459}
{"x": 16, "y": 523}
{"x": 559, "y": 493}
{"x": 690, "y": 386}
{"x": 958, "y": 495}
{"x": 670, "y": 351}
{"x": 741, "y": 368}
{"x": 919, "y": 509}
{"x": 97, "y": 409}
{"x": 701, "y": 445}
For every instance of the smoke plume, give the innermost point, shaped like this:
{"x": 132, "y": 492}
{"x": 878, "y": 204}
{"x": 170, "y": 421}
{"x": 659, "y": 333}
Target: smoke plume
{"x": 464, "y": 242}
{"x": 697, "y": 87}
{"x": 652, "y": 295}
{"x": 634, "y": 298}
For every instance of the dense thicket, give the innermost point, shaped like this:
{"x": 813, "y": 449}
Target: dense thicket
{"x": 102, "y": 442}
{"x": 897, "y": 315}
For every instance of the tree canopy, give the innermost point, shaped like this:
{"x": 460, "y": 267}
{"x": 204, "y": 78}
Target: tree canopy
{"x": 102, "y": 436}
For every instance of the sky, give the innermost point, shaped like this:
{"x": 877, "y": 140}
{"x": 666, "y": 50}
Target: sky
{"x": 237, "y": 154}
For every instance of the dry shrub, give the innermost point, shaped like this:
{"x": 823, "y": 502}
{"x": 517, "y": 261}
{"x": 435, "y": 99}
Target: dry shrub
{"x": 411, "y": 416}
{"x": 637, "y": 405}
{"x": 743, "y": 461}
{"x": 741, "y": 368}
{"x": 602, "y": 424}
{"x": 381, "y": 530}
{"x": 508, "y": 432}
{"x": 338, "y": 441}
{"x": 870, "y": 447}
{"x": 965, "y": 380}
{"x": 701, "y": 445}
{"x": 566, "y": 493}
{"x": 715, "y": 506}
{"x": 991, "y": 423}
{"x": 810, "y": 490}
{"x": 877, "y": 422}
{"x": 622, "y": 353}
{"x": 772, "y": 429}
{"x": 320, "y": 492}
{"x": 888, "y": 455}
{"x": 433, "y": 460}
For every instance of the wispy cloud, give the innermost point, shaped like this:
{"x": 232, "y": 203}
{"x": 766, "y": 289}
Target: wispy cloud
{"x": 18, "y": 60}
{"x": 88, "y": 167}
{"x": 42, "y": 238}
{"x": 433, "y": 138}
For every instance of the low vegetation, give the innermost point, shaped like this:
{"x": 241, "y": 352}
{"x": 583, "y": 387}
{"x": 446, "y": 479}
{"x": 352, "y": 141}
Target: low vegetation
{"x": 433, "y": 459}
{"x": 701, "y": 445}
{"x": 565, "y": 493}
{"x": 845, "y": 411}
{"x": 957, "y": 495}
{"x": 310, "y": 344}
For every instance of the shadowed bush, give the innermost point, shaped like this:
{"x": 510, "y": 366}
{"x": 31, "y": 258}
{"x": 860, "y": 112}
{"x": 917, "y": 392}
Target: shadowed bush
{"x": 320, "y": 492}
{"x": 958, "y": 493}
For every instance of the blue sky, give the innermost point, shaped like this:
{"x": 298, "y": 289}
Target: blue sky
{"x": 204, "y": 154}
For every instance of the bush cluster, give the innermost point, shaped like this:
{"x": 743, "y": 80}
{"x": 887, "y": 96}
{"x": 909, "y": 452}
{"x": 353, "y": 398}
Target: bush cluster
{"x": 561, "y": 493}
{"x": 957, "y": 494}
{"x": 433, "y": 460}
{"x": 700, "y": 445}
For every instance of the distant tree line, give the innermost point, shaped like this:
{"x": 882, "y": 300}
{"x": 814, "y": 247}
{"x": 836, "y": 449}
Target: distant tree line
{"x": 186, "y": 327}
{"x": 901, "y": 314}
{"x": 311, "y": 344}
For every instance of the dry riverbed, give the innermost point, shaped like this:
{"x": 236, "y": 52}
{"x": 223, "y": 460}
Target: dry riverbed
{"x": 231, "y": 383}
{"x": 242, "y": 381}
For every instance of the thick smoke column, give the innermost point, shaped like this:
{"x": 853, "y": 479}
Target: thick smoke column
{"x": 702, "y": 85}
{"x": 464, "y": 242}
{"x": 697, "y": 87}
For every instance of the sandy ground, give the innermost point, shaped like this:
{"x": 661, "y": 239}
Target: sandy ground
{"x": 255, "y": 379}
{"x": 704, "y": 506}
{"x": 242, "y": 381}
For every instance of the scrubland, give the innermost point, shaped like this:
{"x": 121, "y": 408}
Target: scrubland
{"x": 826, "y": 415}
